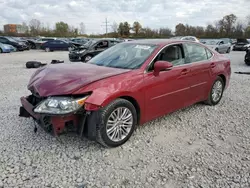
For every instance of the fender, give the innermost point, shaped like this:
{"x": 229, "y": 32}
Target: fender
{"x": 101, "y": 98}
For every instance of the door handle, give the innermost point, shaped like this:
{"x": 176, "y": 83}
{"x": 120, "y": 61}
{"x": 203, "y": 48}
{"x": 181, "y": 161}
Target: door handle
{"x": 212, "y": 65}
{"x": 184, "y": 71}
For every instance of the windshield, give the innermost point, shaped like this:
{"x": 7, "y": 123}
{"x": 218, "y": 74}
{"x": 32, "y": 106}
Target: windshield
{"x": 211, "y": 42}
{"x": 124, "y": 55}
{"x": 90, "y": 43}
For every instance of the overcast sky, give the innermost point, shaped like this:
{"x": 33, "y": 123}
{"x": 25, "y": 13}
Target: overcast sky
{"x": 152, "y": 13}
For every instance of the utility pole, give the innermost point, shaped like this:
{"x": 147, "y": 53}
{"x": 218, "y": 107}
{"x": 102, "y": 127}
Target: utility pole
{"x": 106, "y": 25}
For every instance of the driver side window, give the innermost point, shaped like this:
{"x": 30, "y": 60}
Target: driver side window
{"x": 102, "y": 44}
{"x": 173, "y": 54}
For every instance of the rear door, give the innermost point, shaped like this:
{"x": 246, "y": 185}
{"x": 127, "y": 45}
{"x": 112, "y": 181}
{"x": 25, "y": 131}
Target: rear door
{"x": 200, "y": 59}
{"x": 53, "y": 44}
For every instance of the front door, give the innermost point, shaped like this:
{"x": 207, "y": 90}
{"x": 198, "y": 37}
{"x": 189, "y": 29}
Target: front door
{"x": 169, "y": 90}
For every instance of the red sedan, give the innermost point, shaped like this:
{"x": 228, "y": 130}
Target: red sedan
{"x": 127, "y": 85}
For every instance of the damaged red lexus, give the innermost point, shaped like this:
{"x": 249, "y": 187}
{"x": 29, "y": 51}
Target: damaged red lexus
{"x": 127, "y": 85}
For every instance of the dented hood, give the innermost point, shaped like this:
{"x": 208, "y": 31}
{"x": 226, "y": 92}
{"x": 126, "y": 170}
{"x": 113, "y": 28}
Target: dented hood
{"x": 63, "y": 79}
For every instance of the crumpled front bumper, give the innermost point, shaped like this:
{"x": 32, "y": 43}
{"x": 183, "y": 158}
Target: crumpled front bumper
{"x": 74, "y": 57}
{"x": 52, "y": 124}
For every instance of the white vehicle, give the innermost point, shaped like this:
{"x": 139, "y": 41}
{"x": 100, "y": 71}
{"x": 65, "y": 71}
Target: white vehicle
{"x": 191, "y": 38}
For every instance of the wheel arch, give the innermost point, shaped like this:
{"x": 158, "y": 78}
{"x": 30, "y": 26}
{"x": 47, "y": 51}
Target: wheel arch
{"x": 223, "y": 78}
{"x": 95, "y": 102}
{"x": 135, "y": 104}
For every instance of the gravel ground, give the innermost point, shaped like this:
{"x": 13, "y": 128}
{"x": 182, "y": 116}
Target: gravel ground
{"x": 199, "y": 146}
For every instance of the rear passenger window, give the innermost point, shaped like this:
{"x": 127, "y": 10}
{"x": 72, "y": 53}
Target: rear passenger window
{"x": 196, "y": 52}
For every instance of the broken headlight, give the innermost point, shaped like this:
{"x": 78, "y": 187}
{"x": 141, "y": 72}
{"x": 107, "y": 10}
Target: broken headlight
{"x": 60, "y": 105}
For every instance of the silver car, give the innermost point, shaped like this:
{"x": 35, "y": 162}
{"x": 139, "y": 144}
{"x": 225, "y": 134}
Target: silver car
{"x": 219, "y": 46}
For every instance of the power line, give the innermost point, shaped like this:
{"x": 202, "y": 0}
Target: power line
{"x": 106, "y": 25}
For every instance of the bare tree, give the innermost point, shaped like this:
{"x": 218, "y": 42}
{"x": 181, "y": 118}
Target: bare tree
{"x": 115, "y": 27}
{"x": 25, "y": 27}
{"x": 165, "y": 32}
{"x": 35, "y": 26}
{"x": 82, "y": 28}
{"x": 238, "y": 29}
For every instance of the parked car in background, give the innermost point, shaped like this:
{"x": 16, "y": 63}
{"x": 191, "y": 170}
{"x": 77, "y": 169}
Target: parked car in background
{"x": 227, "y": 41}
{"x": 126, "y": 85}
{"x": 91, "y": 49}
{"x": 31, "y": 43}
{"x": 6, "y": 48}
{"x": 18, "y": 45}
{"x": 56, "y": 45}
{"x": 45, "y": 39}
{"x": 241, "y": 45}
{"x": 23, "y": 41}
{"x": 234, "y": 41}
{"x": 190, "y": 38}
{"x": 219, "y": 46}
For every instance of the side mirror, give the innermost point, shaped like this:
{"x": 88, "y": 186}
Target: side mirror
{"x": 161, "y": 66}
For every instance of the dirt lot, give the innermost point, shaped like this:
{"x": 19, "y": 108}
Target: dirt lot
{"x": 200, "y": 146}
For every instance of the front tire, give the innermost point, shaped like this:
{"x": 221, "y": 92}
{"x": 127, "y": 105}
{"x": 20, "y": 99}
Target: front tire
{"x": 216, "y": 92}
{"x": 118, "y": 122}
{"x": 1, "y": 51}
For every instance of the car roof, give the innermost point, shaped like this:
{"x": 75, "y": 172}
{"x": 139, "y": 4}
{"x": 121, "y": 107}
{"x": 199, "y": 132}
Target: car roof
{"x": 155, "y": 41}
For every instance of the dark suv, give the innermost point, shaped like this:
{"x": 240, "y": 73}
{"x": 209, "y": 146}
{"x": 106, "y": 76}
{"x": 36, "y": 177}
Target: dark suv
{"x": 241, "y": 45}
{"x": 20, "y": 46}
{"x": 90, "y": 49}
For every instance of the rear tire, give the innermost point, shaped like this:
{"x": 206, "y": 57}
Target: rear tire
{"x": 1, "y": 51}
{"x": 116, "y": 126}
{"x": 228, "y": 50}
{"x": 216, "y": 92}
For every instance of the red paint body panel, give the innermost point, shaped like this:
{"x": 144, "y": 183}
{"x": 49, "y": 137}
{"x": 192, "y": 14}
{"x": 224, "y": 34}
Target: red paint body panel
{"x": 63, "y": 79}
{"x": 156, "y": 95}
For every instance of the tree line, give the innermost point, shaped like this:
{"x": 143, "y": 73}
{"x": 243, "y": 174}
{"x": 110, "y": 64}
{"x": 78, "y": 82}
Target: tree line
{"x": 229, "y": 26}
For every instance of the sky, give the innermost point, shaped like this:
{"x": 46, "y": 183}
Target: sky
{"x": 150, "y": 13}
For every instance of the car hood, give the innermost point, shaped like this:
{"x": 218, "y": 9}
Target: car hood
{"x": 64, "y": 79}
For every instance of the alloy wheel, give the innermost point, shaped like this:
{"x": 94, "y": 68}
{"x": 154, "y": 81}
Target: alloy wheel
{"x": 217, "y": 91}
{"x": 119, "y": 124}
